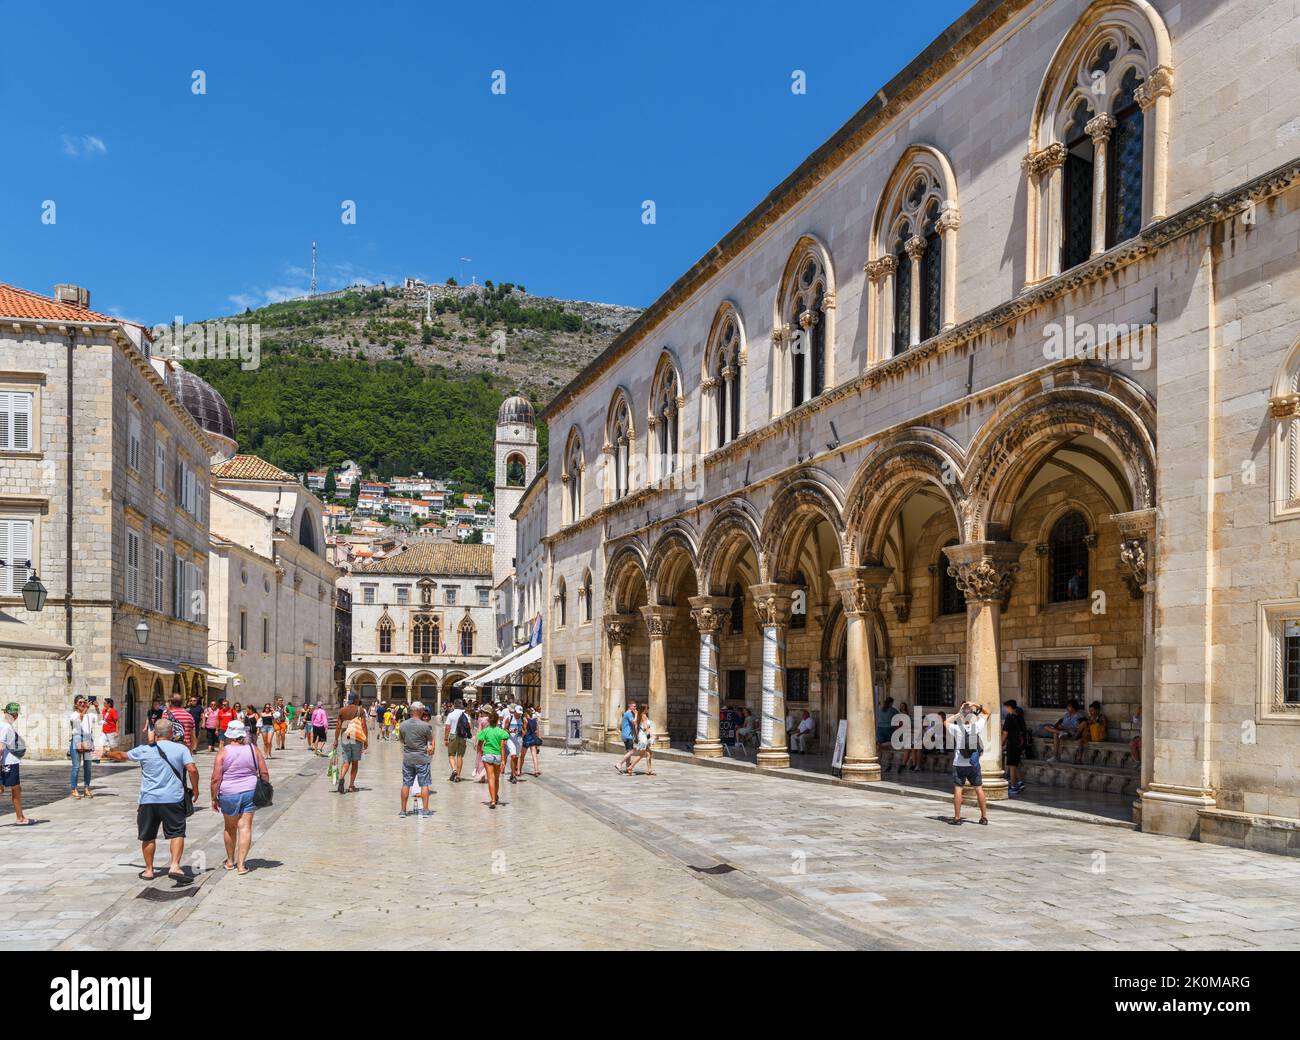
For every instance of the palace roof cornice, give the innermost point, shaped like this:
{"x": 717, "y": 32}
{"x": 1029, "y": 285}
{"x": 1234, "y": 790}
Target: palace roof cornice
{"x": 970, "y": 30}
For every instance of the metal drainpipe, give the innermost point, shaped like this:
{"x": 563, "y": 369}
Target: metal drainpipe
{"x": 67, "y": 562}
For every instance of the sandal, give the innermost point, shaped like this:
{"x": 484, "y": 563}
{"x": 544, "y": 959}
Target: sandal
{"x": 26, "y": 821}
{"x": 228, "y": 865}
{"x": 145, "y": 876}
{"x": 89, "y": 793}
{"x": 984, "y": 820}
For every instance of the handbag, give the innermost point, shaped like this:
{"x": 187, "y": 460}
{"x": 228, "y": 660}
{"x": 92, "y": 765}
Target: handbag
{"x": 187, "y": 796}
{"x": 20, "y": 746}
{"x": 263, "y": 792}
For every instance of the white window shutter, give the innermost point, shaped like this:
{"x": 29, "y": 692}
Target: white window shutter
{"x": 6, "y": 572}
{"x": 21, "y": 409}
{"x": 19, "y": 552}
{"x": 157, "y": 578}
{"x": 6, "y": 420}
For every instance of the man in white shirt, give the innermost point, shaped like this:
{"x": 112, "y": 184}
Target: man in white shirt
{"x": 803, "y": 733}
{"x": 9, "y": 775}
{"x": 454, "y": 742}
{"x": 966, "y": 731}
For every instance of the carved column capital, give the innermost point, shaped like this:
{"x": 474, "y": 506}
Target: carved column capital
{"x": 710, "y": 613}
{"x": 772, "y": 602}
{"x": 1159, "y": 83}
{"x": 1044, "y": 160}
{"x": 1284, "y": 406}
{"x": 860, "y": 587}
{"x": 658, "y": 620}
{"x": 915, "y": 247}
{"x": 949, "y": 219}
{"x": 1099, "y": 127}
{"x": 618, "y": 628}
{"x": 877, "y": 270}
{"x": 808, "y": 318}
{"x": 1137, "y": 533}
{"x": 985, "y": 571}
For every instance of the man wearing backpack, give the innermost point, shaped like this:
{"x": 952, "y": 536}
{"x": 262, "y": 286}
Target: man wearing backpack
{"x": 351, "y": 728}
{"x": 966, "y": 731}
{"x": 456, "y": 730}
{"x": 12, "y": 749}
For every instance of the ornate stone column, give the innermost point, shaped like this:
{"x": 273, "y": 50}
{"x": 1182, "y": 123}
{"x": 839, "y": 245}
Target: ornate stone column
{"x": 915, "y": 248}
{"x": 1137, "y": 532}
{"x": 772, "y": 607}
{"x": 658, "y": 623}
{"x": 1042, "y": 239}
{"x": 807, "y": 320}
{"x": 618, "y": 630}
{"x": 710, "y": 614}
{"x": 985, "y": 572}
{"x": 1099, "y": 128}
{"x": 1153, "y": 98}
{"x": 860, "y": 588}
{"x": 728, "y": 402}
{"x": 881, "y": 274}
{"x": 947, "y": 224}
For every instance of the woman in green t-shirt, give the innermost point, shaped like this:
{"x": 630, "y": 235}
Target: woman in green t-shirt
{"x": 489, "y": 741}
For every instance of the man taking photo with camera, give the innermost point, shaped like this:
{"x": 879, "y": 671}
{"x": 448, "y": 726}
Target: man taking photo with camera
{"x": 966, "y": 732}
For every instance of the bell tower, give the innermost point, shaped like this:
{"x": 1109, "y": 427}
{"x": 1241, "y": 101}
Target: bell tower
{"x": 516, "y": 466}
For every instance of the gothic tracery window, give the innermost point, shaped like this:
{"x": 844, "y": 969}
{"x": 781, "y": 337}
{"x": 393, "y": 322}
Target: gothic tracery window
{"x": 619, "y": 436}
{"x": 574, "y": 466}
{"x": 424, "y": 636}
{"x": 386, "y": 629}
{"x": 665, "y": 419}
{"x": 723, "y": 379}
{"x": 467, "y": 638}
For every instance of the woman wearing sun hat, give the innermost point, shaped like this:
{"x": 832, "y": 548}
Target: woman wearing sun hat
{"x": 234, "y": 778}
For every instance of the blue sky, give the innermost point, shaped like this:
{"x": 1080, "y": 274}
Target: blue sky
{"x": 171, "y": 203}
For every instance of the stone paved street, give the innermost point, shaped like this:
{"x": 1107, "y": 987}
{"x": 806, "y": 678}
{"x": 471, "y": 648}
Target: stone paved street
{"x": 585, "y": 858}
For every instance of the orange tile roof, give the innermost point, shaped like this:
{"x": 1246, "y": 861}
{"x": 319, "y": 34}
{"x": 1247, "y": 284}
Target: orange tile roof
{"x": 475, "y": 560}
{"x": 249, "y": 467}
{"x": 19, "y": 303}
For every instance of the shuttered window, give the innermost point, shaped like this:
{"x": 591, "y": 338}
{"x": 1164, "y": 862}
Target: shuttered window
{"x": 15, "y": 421}
{"x": 132, "y": 581}
{"x": 159, "y": 572}
{"x": 15, "y": 551}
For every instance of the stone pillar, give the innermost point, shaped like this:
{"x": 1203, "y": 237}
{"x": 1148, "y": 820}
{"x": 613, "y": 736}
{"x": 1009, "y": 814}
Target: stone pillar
{"x": 881, "y": 274}
{"x": 860, "y": 588}
{"x": 772, "y": 608}
{"x": 1137, "y": 532}
{"x": 985, "y": 572}
{"x": 1099, "y": 128}
{"x": 710, "y": 614}
{"x": 915, "y": 247}
{"x": 659, "y": 622}
{"x": 1153, "y": 98}
{"x": 947, "y": 224}
{"x": 618, "y": 630}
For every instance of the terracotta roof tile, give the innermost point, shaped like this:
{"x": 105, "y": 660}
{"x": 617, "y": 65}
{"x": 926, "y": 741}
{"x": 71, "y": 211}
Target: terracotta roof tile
{"x": 475, "y": 560}
{"x": 249, "y": 467}
{"x": 20, "y": 303}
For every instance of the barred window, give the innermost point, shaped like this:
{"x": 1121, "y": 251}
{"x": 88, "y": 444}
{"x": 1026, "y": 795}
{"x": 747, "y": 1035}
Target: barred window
{"x": 1124, "y": 176}
{"x": 1069, "y": 559}
{"x": 796, "y": 685}
{"x": 1076, "y": 199}
{"x": 931, "y": 275}
{"x": 560, "y": 676}
{"x": 1053, "y": 683}
{"x": 935, "y": 685}
{"x": 902, "y": 292}
{"x": 1291, "y": 662}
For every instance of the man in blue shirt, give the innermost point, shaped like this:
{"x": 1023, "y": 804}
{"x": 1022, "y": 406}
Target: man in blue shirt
{"x": 163, "y": 764}
{"x": 628, "y": 733}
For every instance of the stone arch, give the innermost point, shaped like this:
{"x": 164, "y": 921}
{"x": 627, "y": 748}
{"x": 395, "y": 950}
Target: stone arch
{"x": 806, "y": 497}
{"x": 736, "y": 525}
{"x": 427, "y": 678}
{"x": 886, "y": 477}
{"x": 625, "y": 577}
{"x": 674, "y": 552}
{"x": 1013, "y": 442}
{"x": 449, "y": 683}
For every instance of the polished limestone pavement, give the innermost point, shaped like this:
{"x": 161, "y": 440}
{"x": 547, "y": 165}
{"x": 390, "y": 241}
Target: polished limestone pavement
{"x": 584, "y": 858}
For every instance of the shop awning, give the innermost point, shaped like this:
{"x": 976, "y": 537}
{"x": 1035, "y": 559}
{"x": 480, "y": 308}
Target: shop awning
{"x": 161, "y": 667}
{"x": 220, "y": 676}
{"x": 512, "y": 662}
{"x": 23, "y": 640}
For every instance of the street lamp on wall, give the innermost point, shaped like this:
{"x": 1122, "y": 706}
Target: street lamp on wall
{"x": 142, "y": 633}
{"x": 33, "y": 591}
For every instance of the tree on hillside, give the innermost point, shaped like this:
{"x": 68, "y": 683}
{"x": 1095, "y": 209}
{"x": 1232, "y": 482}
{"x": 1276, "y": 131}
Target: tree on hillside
{"x": 331, "y": 485}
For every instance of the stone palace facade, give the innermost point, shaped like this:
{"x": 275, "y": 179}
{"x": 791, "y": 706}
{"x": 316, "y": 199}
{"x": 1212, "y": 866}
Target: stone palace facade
{"x": 996, "y": 395}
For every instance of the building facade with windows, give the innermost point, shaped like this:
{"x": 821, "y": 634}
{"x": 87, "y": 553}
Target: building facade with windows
{"x": 422, "y": 621}
{"x": 273, "y": 589}
{"x": 996, "y": 396}
{"x": 103, "y": 492}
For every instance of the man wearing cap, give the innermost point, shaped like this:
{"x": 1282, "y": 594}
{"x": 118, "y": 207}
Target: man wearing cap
{"x": 416, "y": 736}
{"x": 9, "y": 761}
{"x": 164, "y": 766}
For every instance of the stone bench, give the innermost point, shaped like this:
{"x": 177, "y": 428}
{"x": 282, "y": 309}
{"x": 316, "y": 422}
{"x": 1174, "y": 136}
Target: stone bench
{"x": 1107, "y": 767}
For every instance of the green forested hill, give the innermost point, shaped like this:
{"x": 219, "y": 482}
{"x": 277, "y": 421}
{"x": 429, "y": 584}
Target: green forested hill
{"x": 400, "y": 382}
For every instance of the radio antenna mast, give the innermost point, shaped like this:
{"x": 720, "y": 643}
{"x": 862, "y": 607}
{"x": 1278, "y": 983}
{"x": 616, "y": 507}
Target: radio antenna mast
{"x": 313, "y": 267}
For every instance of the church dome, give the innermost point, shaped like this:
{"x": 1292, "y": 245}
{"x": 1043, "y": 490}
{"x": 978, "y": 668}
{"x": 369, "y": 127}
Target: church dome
{"x": 516, "y": 409}
{"x": 208, "y": 407}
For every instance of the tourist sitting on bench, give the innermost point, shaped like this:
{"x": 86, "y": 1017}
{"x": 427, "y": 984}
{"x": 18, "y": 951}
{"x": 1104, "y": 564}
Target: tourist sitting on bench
{"x": 802, "y": 733}
{"x": 1093, "y": 730}
{"x": 1068, "y": 727}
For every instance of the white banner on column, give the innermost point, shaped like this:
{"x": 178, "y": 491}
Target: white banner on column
{"x": 769, "y": 686}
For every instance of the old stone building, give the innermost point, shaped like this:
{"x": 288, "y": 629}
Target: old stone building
{"x": 103, "y": 494}
{"x": 997, "y": 395}
{"x": 422, "y": 621}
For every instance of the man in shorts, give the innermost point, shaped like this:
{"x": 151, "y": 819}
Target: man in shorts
{"x": 10, "y": 778}
{"x": 351, "y": 729}
{"x": 966, "y": 731}
{"x": 627, "y": 730}
{"x": 163, "y": 765}
{"x": 454, "y": 735}
{"x": 280, "y": 717}
{"x": 416, "y": 737}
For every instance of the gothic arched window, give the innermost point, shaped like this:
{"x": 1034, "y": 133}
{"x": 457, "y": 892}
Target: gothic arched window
{"x": 574, "y": 465}
{"x": 803, "y": 337}
{"x": 467, "y": 638}
{"x": 424, "y": 636}
{"x": 618, "y": 436}
{"x": 1076, "y": 199}
{"x": 386, "y": 630}
{"x": 723, "y": 387}
{"x": 562, "y": 604}
{"x": 1124, "y": 187}
{"x": 665, "y": 419}
{"x": 586, "y": 596}
{"x": 1067, "y": 547}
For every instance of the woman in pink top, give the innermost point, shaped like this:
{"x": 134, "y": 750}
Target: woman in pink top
{"x": 234, "y": 778}
{"x": 211, "y": 720}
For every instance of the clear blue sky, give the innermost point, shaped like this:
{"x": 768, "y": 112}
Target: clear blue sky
{"x": 171, "y": 203}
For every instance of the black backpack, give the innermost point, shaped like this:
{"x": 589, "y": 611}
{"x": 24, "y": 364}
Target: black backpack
{"x": 462, "y": 726}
